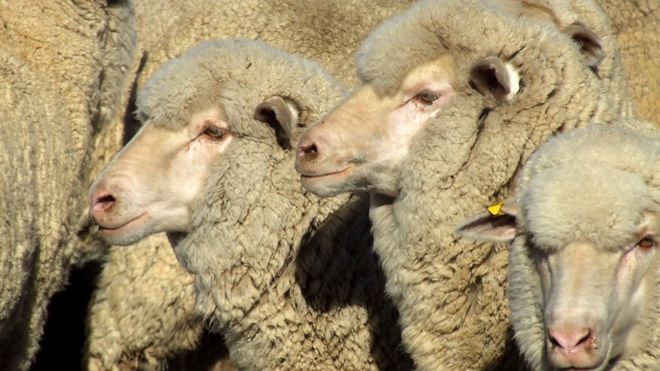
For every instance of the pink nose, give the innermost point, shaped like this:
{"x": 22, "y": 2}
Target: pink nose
{"x": 101, "y": 202}
{"x": 307, "y": 150}
{"x": 570, "y": 340}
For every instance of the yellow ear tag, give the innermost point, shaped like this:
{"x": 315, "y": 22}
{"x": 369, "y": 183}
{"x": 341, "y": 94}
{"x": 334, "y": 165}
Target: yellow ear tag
{"x": 496, "y": 209}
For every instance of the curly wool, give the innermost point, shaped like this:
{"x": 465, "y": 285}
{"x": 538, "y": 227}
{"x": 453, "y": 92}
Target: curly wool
{"x": 55, "y": 101}
{"x": 617, "y": 172}
{"x": 122, "y": 328}
{"x": 563, "y": 14}
{"x": 450, "y": 293}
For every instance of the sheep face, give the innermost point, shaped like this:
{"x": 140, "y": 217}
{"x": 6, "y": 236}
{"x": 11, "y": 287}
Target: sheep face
{"x": 196, "y": 110}
{"x": 592, "y": 299}
{"x": 582, "y": 265}
{"x": 360, "y": 145}
{"x": 150, "y": 185}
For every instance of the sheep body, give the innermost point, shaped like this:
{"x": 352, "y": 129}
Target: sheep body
{"x": 616, "y": 173}
{"x": 156, "y": 299}
{"x": 46, "y": 144}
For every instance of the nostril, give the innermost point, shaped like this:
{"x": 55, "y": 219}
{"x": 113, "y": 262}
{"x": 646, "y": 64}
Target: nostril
{"x": 584, "y": 338}
{"x": 570, "y": 339}
{"x": 310, "y": 148}
{"x": 104, "y": 202}
{"x": 554, "y": 342}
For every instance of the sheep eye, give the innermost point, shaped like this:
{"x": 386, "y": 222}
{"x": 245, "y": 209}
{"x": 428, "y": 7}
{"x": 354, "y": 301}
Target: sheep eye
{"x": 214, "y": 132}
{"x": 646, "y": 243}
{"x": 427, "y": 97}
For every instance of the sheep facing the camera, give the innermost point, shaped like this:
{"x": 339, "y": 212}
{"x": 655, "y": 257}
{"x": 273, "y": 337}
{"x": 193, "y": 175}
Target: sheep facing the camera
{"x": 584, "y": 265}
{"x": 289, "y": 279}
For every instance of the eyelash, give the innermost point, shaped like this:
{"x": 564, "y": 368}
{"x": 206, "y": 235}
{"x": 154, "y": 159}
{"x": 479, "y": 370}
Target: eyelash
{"x": 646, "y": 243}
{"x": 214, "y": 133}
{"x": 426, "y": 97}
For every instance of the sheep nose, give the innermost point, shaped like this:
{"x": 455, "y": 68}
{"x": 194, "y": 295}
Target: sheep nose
{"x": 308, "y": 150}
{"x": 569, "y": 340}
{"x": 101, "y": 202}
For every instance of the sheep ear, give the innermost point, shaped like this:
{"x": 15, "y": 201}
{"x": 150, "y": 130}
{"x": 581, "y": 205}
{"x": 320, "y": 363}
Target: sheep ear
{"x": 497, "y": 223}
{"x": 493, "y": 77}
{"x": 282, "y": 115}
{"x": 590, "y": 44}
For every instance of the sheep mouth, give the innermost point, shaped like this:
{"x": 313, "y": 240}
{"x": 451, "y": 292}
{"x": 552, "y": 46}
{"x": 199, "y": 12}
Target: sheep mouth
{"x": 310, "y": 176}
{"x": 116, "y": 228}
{"x": 596, "y": 366}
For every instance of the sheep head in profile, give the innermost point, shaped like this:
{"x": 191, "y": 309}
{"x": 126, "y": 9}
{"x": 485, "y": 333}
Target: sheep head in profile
{"x": 427, "y": 71}
{"x": 191, "y": 122}
{"x": 584, "y": 266}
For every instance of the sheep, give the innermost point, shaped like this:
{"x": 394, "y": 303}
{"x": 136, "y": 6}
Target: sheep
{"x": 441, "y": 123}
{"x": 288, "y": 278}
{"x": 584, "y": 273}
{"x": 329, "y": 32}
{"x": 45, "y": 148}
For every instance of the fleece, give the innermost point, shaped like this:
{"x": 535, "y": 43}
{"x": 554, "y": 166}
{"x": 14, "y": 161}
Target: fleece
{"x": 63, "y": 68}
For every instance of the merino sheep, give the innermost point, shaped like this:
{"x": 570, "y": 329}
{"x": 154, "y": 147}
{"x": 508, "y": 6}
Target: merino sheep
{"x": 584, "y": 270}
{"x": 326, "y": 31}
{"x": 63, "y": 68}
{"x": 456, "y": 110}
{"x": 290, "y": 279}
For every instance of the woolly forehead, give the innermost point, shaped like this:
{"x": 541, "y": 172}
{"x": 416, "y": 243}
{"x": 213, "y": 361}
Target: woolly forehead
{"x": 601, "y": 205}
{"x": 469, "y": 30}
{"x": 237, "y": 75}
{"x": 607, "y": 146}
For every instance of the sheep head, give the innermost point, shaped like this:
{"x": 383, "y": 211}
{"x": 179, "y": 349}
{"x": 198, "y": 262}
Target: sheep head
{"x": 584, "y": 262}
{"x": 150, "y": 185}
{"x": 426, "y": 75}
{"x": 198, "y": 110}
